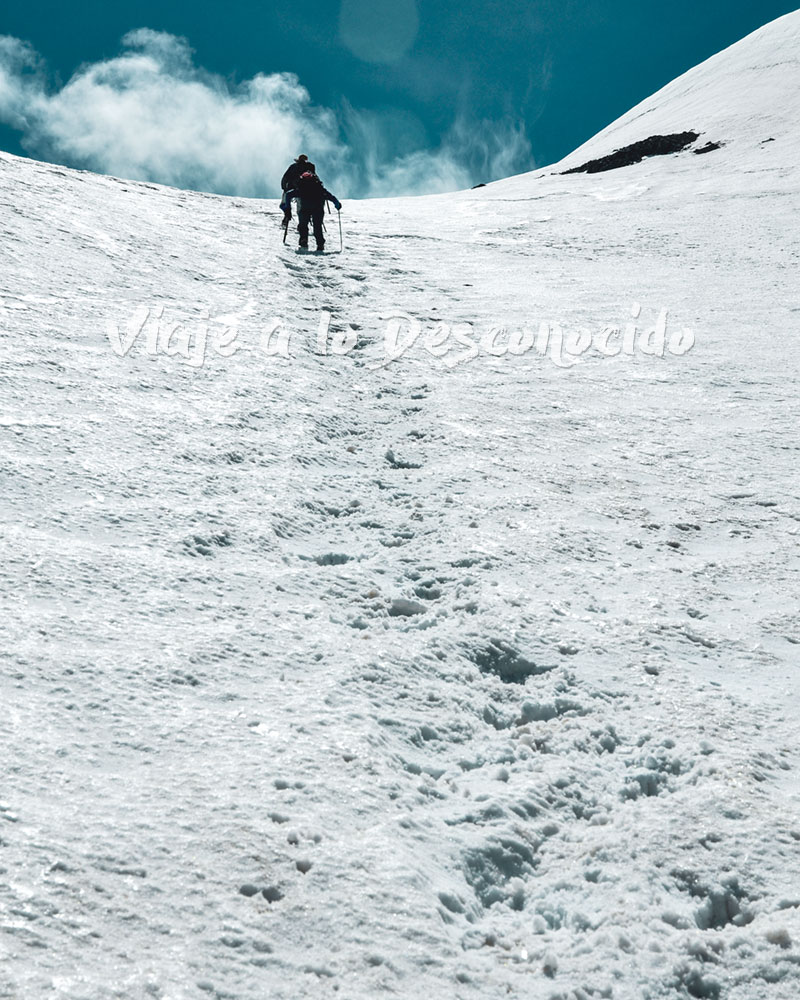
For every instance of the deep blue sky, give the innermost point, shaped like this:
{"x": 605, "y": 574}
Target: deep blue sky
{"x": 564, "y": 67}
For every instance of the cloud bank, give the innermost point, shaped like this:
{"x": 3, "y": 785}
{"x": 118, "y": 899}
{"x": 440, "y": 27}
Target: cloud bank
{"x": 152, "y": 114}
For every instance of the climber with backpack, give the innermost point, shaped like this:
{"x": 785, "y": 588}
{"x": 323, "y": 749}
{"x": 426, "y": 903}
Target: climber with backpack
{"x": 312, "y": 197}
{"x": 290, "y": 178}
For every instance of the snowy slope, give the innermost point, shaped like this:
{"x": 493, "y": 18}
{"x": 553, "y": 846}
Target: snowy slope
{"x": 745, "y": 97}
{"x": 332, "y": 677}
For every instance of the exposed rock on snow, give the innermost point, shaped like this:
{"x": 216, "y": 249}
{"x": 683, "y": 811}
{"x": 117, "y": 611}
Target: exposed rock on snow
{"x": 654, "y": 145}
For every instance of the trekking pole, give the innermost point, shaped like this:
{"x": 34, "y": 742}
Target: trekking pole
{"x": 341, "y": 241}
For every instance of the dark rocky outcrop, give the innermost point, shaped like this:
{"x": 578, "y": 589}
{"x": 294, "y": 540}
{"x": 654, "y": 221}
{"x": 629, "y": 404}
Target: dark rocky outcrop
{"x": 655, "y": 145}
{"x": 709, "y": 147}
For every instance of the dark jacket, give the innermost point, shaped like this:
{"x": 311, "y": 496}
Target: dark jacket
{"x": 312, "y": 196}
{"x": 294, "y": 172}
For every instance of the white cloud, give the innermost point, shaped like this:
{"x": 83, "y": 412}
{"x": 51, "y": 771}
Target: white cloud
{"x": 151, "y": 114}
{"x": 20, "y": 81}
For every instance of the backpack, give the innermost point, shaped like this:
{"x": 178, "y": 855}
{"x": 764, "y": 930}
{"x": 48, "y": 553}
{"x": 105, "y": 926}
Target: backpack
{"x": 293, "y": 173}
{"x": 309, "y": 184}
{"x": 310, "y": 191}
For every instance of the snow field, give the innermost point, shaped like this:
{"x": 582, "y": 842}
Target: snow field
{"x": 333, "y": 678}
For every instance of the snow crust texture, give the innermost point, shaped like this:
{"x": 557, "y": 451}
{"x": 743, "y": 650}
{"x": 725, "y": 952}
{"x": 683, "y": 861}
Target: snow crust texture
{"x": 333, "y": 676}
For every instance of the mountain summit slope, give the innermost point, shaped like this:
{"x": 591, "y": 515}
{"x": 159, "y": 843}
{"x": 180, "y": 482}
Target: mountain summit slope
{"x": 743, "y": 99}
{"x": 742, "y": 96}
{"x": 416, "y": 619}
